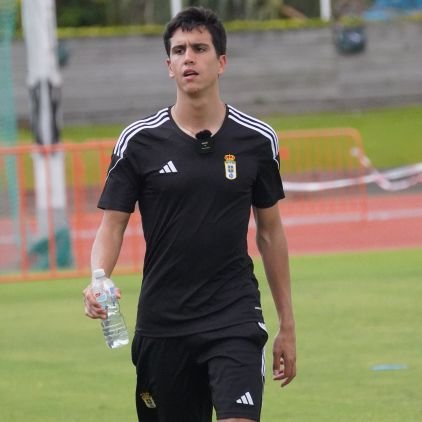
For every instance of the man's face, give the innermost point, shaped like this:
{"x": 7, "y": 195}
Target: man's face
{"x": 193, "y": 61}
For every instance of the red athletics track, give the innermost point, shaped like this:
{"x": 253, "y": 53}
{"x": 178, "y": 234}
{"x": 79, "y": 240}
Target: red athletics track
{"x": 393, "y": 221}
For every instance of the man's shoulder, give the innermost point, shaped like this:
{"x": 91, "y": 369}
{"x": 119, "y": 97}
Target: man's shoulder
{"x": 252, "y": 128}
{"x": 149, "y": 122}
{"x": 145, "y": 125}
{"x": 250, "y": 122}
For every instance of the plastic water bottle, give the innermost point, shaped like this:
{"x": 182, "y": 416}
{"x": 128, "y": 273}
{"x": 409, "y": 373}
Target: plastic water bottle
{"x": 114, "y": 326}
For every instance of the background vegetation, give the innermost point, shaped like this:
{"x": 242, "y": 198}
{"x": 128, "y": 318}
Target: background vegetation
{"x": 122, "y": 12}
{"x": 84, "y": 18}
{"x": 80, "y": 13}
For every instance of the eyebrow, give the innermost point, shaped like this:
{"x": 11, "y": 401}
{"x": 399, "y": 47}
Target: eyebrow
{"x": 195, "y": 45}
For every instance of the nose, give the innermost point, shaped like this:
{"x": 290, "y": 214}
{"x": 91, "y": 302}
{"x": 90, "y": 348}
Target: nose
{"x": 189, "y": 56}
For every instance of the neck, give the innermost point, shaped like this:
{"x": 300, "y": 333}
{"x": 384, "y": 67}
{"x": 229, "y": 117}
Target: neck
{"x": 194, "y": 115}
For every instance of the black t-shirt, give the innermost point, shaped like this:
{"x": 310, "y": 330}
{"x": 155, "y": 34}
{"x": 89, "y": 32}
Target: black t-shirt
{"x": 195, "y": 211}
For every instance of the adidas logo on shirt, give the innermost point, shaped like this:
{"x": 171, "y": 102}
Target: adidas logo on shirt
{"x": 168, "y": 168}
{"x": 246, "y": 399}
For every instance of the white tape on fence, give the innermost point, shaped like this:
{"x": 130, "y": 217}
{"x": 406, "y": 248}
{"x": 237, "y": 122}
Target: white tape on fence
{"x": 388, "y": 180}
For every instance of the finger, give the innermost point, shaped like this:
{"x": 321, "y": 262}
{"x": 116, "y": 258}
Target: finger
{"x": 289, "y": 373}
{"x": 279, "y": 375}
{"x": 278, "y": 365}
{"x": 95, "y": 312}
{"x": 286, "y": 382}
{"x": 92, "y": 308}
{"x": 277, "y": 358}
{"x": 118, "y": 293}
{"x": 87, "y": 293}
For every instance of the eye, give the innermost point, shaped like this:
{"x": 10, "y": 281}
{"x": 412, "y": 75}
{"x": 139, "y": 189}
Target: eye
{"x": 178, "y": 50}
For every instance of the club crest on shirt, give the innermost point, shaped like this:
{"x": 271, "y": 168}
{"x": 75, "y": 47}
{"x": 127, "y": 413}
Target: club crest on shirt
{"x": 148, "y": 400}
{"x": 230, "y": 166}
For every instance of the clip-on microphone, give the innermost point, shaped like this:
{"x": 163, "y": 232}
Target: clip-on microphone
{"x": 205, "y": 142}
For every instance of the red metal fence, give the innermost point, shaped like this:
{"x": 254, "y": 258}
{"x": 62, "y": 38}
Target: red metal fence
{"x": 315, "y": 165}
{"x": 323, "y": 176}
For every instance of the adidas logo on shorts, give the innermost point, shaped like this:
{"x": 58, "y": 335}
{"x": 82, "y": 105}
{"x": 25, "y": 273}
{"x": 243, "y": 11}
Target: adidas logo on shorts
{"x": 246, "y": 399}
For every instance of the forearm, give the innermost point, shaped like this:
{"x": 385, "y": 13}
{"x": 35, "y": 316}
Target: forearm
{"x": 273, "y": 248}
{"x": 272, "y": 244}
{"x": 104, "y": 254}
{"x": 107, "y": 244}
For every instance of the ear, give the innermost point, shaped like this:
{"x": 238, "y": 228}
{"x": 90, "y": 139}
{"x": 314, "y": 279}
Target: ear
{"x": 170, "y": 68}
{"x": 223, "y": 62}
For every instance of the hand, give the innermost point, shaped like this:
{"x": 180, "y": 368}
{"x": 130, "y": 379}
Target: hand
{"x": 92, "y": 308}
{"x": 284, "y": 356}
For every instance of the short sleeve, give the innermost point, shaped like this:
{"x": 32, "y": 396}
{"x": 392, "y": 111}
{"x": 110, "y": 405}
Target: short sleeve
{"x": 120, "y": 191}
{"x": 268, "y": 187}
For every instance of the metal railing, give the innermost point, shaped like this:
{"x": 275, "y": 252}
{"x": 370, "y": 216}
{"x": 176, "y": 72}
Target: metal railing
{"x": 320, "y": 170}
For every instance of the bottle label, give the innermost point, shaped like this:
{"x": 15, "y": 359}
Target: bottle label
{"x": 111, "y": 294}
{"x": 100, "y": 297}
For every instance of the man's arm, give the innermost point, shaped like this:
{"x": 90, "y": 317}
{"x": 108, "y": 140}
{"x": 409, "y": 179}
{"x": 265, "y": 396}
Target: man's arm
{"x": 104, "y": 254}
{"x": 272, "y": 245}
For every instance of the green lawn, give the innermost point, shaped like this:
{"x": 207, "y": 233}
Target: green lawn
{"x": 353, "y": 311}
{"x": 392, "y": 137}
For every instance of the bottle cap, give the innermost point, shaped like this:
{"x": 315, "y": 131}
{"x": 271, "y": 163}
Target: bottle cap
{"x": 98, "y": 273}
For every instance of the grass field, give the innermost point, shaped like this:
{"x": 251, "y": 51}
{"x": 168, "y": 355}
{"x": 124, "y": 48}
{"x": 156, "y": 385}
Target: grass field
{"x": 353, "y": 311}
{"x": 391, "y": 137}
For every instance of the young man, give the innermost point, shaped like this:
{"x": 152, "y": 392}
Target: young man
{"x": 196, "y": 169}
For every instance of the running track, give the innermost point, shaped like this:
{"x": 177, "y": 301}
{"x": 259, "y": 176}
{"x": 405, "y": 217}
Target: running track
{"x": 393, "y": 221}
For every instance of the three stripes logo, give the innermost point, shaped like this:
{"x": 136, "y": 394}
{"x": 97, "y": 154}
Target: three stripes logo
{"x": 246, "y": 399}
{"x": 168, "y": 168}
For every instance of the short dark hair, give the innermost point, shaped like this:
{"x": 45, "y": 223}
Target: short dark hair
{"x": 197, "y": 17}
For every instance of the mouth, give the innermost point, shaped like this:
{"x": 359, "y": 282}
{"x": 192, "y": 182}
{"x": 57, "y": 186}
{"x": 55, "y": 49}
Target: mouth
{"x": 189, "y": 73}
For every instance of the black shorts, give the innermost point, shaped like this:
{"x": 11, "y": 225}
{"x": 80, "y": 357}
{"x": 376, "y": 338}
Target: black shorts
{"x": 181, "y": 379}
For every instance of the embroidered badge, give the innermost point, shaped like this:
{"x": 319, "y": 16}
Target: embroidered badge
{"x": 230, "y": 166}
{"x": 148, "y": 400}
